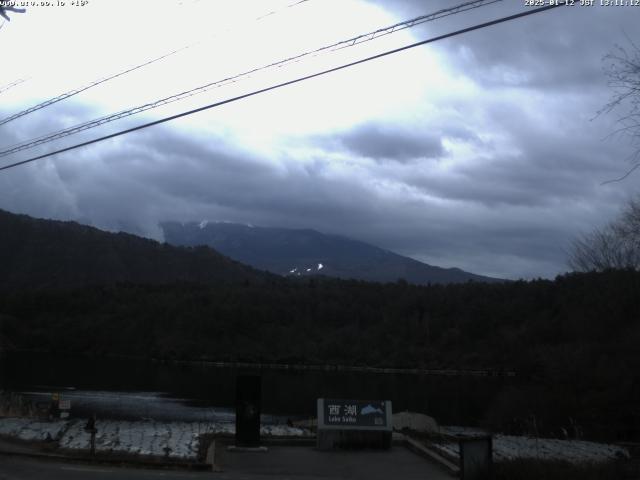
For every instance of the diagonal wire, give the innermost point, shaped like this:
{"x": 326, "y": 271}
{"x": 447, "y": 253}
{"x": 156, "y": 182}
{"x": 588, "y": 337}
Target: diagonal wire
{"x": 100, "y": 81}
{"x": 15, "y": 83}
{"x": 232, "y": 79}
{"x": 273, "y": 12}
{"x": 289, "y": 82}
{"x": 95, "y": 83}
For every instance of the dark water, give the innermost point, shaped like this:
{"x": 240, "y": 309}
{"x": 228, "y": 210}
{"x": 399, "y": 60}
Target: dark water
{"x": 122, "y": 388}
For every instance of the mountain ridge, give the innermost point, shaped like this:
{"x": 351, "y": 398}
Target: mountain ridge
{"x": 41, "y": 253}
{"x": 300, "y": 252}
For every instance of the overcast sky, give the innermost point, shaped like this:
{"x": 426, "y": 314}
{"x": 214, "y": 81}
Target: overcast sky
{"x": 482, "y": 151}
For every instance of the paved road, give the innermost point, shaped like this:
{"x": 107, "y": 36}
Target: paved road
{"x": 290, "y": 463}
{"x": 21, "y": 468}
{"x": 307, "y": 463}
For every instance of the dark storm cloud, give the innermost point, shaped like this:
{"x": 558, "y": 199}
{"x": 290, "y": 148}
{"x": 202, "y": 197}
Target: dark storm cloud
{"x": 162, "y": 174}
{"x": 513, "y": 169}
{"x": 558, "y": 49}
{"x": 402, "y": 144}
{"x": 378, "y": 142}
{"x": 550, "y": 167}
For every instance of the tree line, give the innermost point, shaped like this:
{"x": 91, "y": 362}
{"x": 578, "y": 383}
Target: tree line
{"x": 572, "y": 341}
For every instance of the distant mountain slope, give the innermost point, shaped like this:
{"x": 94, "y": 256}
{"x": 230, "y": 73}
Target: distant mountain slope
{"x": 46, "y": 253}
{"x": 308, "y": 252}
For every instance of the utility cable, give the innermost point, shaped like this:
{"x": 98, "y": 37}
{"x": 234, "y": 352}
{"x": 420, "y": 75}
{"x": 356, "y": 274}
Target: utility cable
{"x": 76, "y": 91}
{"x": 232, "y": 79}
{"x": 287, "y": 83}
{"x": 100, "y": 81}
{"x": 15, "y": 83}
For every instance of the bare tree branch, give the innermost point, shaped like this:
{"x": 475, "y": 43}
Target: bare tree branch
{"x": 629, "y": 172}
{"x": 9, "y": 8}
{"x": 615, "y": 246}
{"x": 622, "y": 69}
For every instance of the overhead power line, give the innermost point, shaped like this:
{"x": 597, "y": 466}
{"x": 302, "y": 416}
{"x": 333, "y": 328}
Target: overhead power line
{"x": 100, "y": 81}
{"x": 15, "y": 83}
{"x": 273, "y": 12}
{"x": 289, "y": 82}
{"x": 232, "y": 79}
{"x": 381, "y": 32}
{"x": 95, "y": 83}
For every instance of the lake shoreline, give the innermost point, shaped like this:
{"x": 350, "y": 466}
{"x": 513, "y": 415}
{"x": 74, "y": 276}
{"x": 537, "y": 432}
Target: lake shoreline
{"x": 449, "y": 372}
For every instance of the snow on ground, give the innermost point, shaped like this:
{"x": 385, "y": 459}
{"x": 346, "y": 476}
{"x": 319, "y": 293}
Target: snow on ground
{"x": 32, "y": 430}
{"x": 509, "y": 447}
{"x": 462, "y": 431}
{"x": 178, "y": 440}
{"x": 282, "y": 431}
{"x": 417, "y": 422}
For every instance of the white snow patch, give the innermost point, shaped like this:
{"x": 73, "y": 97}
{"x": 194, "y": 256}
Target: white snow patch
{"x": 32, "y": 430}
{"x": 171, "y": 439}
{"x": 294, "y": 270}
{"x": 462, "y": 431}
{"x": 414, "y": 421}
{"x": 308, "y": 269}
{"x": 320, "y": 266}
{"x": 509, "y": 447}
{"x": 283, "y": 431}
{"x": 203, "y": 224}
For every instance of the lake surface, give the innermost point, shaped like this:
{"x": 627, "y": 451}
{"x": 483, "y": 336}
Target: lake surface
{"x": 136, "y": 389}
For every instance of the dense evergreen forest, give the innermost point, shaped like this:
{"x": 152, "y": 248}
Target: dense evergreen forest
{"x": 573, "y": 341}
{"x": 36, "y": 253}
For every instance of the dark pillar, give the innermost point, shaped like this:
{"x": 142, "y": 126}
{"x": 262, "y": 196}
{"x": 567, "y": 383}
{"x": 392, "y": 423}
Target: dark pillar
{"x": 248, "y": 394}
{"x": 476, "y": 458}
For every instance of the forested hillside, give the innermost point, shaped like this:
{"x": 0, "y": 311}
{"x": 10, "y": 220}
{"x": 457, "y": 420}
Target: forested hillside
{"x": 573, "y": 342}
{"x": 38, "y": 253}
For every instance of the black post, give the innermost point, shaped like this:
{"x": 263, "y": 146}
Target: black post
{"x": 91, "y": 428}
{"x": 476, "y": 458}
{"x": 248, "y": 395}
{"x": 93, "y": 442}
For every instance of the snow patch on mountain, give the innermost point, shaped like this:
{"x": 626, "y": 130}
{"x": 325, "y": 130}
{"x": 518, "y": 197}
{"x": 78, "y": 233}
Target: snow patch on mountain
{"x": 299, "y": 271}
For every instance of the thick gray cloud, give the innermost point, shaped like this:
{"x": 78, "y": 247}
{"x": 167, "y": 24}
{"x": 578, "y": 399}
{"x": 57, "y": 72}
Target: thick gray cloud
{"x": 378, "y": 142}
{"x": 496, "y": 179}
{"x": 560, "y": 49}
{"x": 481, "y": 218}
{"x": 381, "y": 142}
